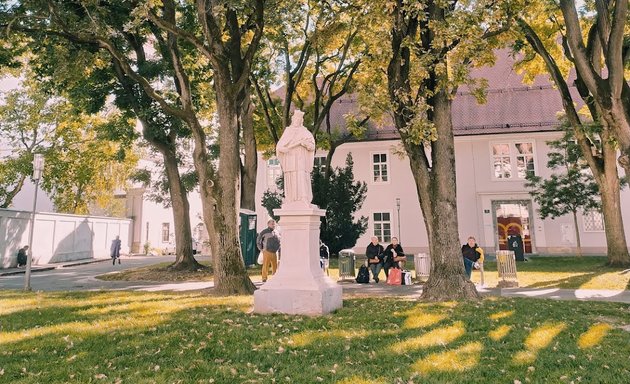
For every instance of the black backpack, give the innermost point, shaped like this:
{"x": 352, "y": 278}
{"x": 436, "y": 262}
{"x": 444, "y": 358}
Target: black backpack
{"x": 363, "y": 276}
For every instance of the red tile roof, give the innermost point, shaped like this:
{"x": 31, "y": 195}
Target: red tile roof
{"x": 511, "y": 106}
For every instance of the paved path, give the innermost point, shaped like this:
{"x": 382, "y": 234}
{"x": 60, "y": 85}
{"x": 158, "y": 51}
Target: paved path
{"x": 80, "y": 275}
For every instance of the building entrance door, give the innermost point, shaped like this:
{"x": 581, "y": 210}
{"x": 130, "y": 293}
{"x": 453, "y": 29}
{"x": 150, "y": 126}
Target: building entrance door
{"x": 512, "y": 217}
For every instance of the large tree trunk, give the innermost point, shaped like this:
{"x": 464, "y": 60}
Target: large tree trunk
{"x": 250, "y": 163}
{"x": 221, "y": 195}
{"x": 447, "y": 280}
{"x": 434, "y": 175}
{"x": 609, "y": 188}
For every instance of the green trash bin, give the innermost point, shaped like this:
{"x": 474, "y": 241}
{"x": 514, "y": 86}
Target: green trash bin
{"x": 247, "y": 234}
{"x": 346, "y": 264}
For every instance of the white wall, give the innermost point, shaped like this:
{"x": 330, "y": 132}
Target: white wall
{"x": 59, "y": 237}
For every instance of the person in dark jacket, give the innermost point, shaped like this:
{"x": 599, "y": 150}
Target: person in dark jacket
{"x": 374, "y": 254}
{"x": 268, "y": 242}
{"x": 115, "y": 250}
{"x": 472, "y": 253}
{"x": 394, "y": 256}
{"x": 22, "y": 257}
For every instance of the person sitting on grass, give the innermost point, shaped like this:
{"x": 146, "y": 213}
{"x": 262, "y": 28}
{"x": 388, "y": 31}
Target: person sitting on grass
{"x": 394, "y": 256}
{"x": 374, "y": 254}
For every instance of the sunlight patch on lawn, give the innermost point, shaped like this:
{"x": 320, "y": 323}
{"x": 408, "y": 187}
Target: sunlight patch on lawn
{"x": 456, "y": 360}
{"x": 501, "y": 315}
{"x": 77, "y": 327}
{"x": 499, "y": 333}
{"x": 423, "y": 320}
{"x": 440, "y": 336}
{"x": 538, "y": 339}
{"x": 309, "y": 337}
{"x": 593, "y": 336}
{"x": 611, "y": 280}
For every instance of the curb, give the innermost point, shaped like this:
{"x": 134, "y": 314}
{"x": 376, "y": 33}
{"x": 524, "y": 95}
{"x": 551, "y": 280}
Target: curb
{"x": 15, "y": 271}
{"x": 23, "y": 271}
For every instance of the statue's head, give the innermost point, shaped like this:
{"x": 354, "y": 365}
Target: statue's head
{"x": 298, "y": 118}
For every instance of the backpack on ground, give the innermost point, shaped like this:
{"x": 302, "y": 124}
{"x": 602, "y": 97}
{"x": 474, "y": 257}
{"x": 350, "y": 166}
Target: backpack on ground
{"x": 363, "y": 276}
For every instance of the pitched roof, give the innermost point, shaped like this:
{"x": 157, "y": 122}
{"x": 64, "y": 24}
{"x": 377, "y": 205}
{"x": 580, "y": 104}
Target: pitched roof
{"x": 511, "y": 105}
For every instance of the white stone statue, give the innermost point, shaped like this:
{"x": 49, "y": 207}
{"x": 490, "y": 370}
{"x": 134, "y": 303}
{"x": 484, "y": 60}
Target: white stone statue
{"x": 296, "y": 152}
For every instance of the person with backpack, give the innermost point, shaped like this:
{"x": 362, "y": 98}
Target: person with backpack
{"x": 268, "y": 242}
{"x": 374, "y": 255}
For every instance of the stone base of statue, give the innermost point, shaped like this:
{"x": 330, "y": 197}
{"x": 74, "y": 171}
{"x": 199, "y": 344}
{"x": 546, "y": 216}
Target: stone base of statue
{"x": 300, "y": 286}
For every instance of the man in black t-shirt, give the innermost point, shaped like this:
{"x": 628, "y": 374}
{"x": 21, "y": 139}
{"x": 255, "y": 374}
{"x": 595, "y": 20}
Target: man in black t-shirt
{"x": 374, "y": 254}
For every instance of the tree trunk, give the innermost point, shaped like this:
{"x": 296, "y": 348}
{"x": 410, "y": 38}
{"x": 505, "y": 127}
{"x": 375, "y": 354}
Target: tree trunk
{"x": 221, "y": 195}
{"x": 184, "y": 259}
{"x": 447, "y": 280}
{"x": 577, "y": 234}
{"x": 250, "y": 163}
{"x": 609, "y": 189}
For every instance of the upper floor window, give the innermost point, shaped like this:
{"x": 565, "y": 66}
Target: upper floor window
{"x": 593, "y": 221}
{"x": 382, "y": 226}
{"x": 379, "y": 167}
{"x": 513, "y": 160}
{"x": 273, "y": 173}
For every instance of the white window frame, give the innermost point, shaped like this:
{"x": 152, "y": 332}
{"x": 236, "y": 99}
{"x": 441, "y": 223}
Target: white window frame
{"x": 381, "y": 235}
{"x": 382, "y": 165}
{"x": 513, "y": 157}
{"x": 585, "y": 221}
{"x": 274, "y": 172}
{"x": 319, "y": 163}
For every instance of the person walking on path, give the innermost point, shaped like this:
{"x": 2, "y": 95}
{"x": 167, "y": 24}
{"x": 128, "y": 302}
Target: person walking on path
{"x": 22, "y": 257}
{"x": 115, "y": 250}
{"x": 268, "y": 242}
{"x": 472, "y": 254}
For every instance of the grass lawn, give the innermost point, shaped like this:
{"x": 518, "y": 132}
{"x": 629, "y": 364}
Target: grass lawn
{"x": 134, "y": 337}
{"x": 539, "y": 272}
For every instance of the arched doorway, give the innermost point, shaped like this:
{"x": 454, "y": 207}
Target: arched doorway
{"x": 511, "y": 217}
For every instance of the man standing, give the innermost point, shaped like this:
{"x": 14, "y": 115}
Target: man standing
{"x": 268, "y": 243}
{"x": 374, "y": 254}
{"x": 22, "y": 257}
{"x": 115, "y": 250}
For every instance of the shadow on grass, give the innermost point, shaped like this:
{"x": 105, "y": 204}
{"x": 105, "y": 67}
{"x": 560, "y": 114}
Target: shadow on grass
{"x": 367, "y": 341}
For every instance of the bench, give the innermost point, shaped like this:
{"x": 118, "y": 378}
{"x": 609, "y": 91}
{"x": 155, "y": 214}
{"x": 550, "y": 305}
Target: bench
{"x": 506, "y": 266}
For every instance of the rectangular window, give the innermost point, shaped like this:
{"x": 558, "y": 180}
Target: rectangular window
{"x": 379, "y": 166}
{"x": 274, "y": 172}
{"x": 593, "y": 221}
{"x": 166, "y": 235}
{"x": 320, "y": 164}
{"x": 383, "y": 226}
{"x": 514, "y": 160}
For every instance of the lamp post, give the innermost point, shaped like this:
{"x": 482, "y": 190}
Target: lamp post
{"x": 38, "y": 167}
{"x": 398, "y": 209}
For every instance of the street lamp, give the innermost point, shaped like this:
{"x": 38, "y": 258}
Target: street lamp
{"x": 38, "y": 167}
{"x": 398, "y": 209}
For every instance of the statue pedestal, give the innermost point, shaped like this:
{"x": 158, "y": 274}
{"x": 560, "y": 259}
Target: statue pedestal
{"x": 299, "y": 286}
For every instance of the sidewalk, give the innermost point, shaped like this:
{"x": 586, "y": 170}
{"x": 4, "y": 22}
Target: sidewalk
{"x": 48, "y": 267}
{"x": 414, "y": 291}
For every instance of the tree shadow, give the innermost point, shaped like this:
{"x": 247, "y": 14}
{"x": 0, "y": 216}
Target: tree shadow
{"x": 13, "y": 227}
